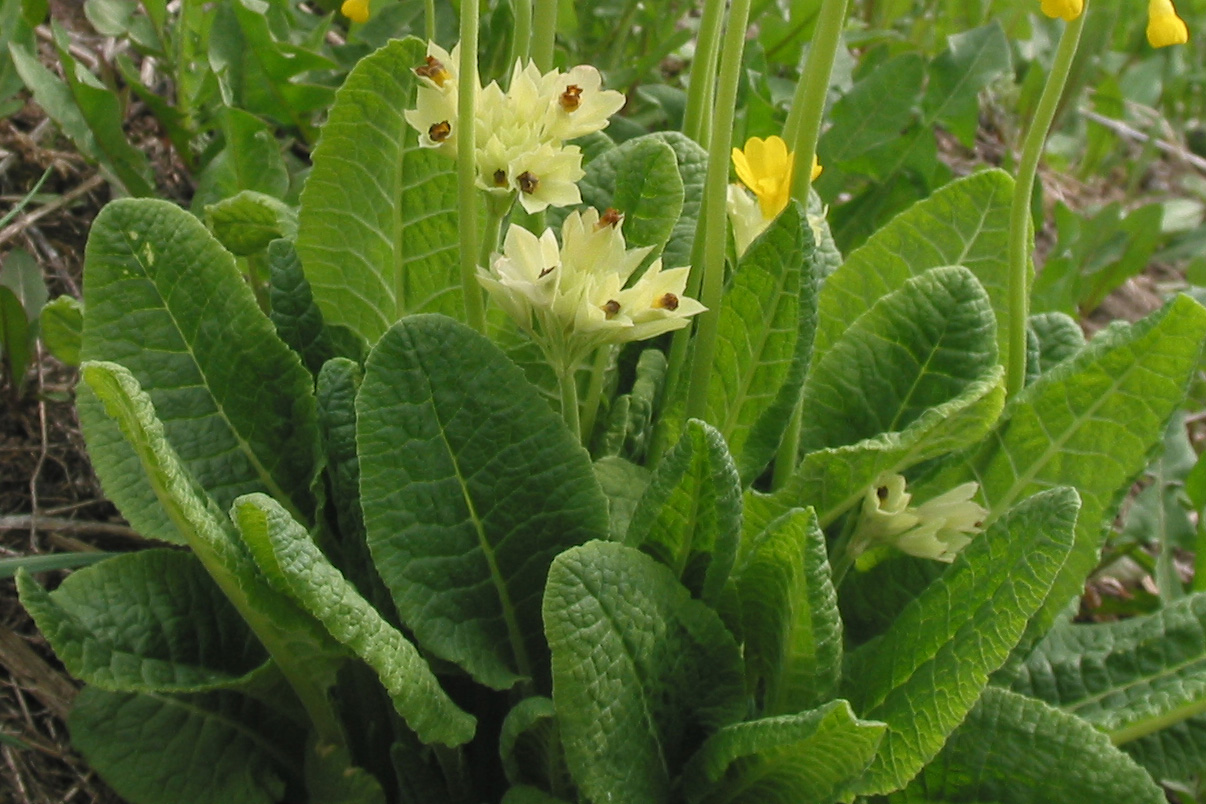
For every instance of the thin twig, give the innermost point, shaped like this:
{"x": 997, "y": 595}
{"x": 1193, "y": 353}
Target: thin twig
{"x": 16, "y": 227}
{"x": 43, "y": 447}
{"x": 60, "y": 525}
{"x": 1124, "y": 130}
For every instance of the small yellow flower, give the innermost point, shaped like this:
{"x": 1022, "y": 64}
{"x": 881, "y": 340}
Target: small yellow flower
{"x": 355, "y": 10}
{"x": 1067, "y": 10}
{"x": 1164, "y": 27}
{"x": 765, "y": 166}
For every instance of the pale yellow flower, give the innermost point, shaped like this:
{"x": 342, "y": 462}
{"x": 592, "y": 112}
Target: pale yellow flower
{"x": 547, "y": 176}
{"x": 1063, "y": 9}
{"x": 937, "y": 529}
{"x": 1164, "y": 27}
{"x": 355, "y": 10}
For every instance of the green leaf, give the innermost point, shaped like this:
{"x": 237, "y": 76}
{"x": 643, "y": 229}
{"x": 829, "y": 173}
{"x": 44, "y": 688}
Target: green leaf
{"x": 470, "y": 485}
{"x": 639, "y": 179}
{"x": 338, "y": 383}
{"x": 874, "y": 111}
{"x": 1059, "y": 337}
{"x": 151, "y": 621}
{"x": 764, "y": 342}
{"x": 246, "y": 223}
{"x": 915, "y": 349}
{"x": 642, "y": 673}
{"x": 14, "y": 335}
{"x": 21, "y": 274}
{"x": 284, "y": 550}
{"x": 213, "y": 748}
{"x": 964, "y": 223}
{"x": 530, "y": 745}
{"x": 1127, "y": 678}
{"x": 331, "y": 778}
{"x": 249, "y": 160}
{"x": 623, "y": 484}
{"x": 689, "y": 517}
{"x": 692, "y": 167}
{"x": 294, "y": 314}
{"x": 630, "y": 417}
{"x": 378, "y": 223}
{"x": 789, "y": 616}
{"x": 925, "y": 673}
{"x": 969, "y": 64}
{"x": 1017, "y": 750}
{"x": 61, "y": 326}
{"x": 1088, "y": 423}
{"x": 1174, "y": 753}
{"x": 49, "y": 562}
{"x": 526, "y": 794}
{"x": 808, "y": 758}
{"x": 166, "y": 301}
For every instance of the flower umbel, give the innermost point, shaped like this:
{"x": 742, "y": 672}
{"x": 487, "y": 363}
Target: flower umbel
{"x": 572, "y": 298}
{"x": 938, "y": 528}
{"x": 1164, "y": 27}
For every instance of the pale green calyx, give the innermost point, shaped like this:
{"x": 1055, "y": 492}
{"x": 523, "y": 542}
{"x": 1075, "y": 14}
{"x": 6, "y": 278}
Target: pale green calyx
{"x": 938, "y": 528}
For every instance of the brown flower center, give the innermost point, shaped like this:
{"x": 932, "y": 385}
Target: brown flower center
{"x": 433, "y": 69}
{"x": 500, "y": 178}
{"x": 611, "y": 217}
{"x": 571, "y": 99}
{"x": 611, "y": 309}
{"x": 528, "y": 182}
{"x": 439, "y": 131}
{"x": 666, "y": 302}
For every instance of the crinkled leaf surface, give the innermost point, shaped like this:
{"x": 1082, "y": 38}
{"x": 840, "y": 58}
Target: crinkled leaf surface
{"x": 470, "y": 485}
{"x": 916, "y": 348}
{"x": 764, "y": 341}
{"x": 1017, "y": 750}
{"x": 689, "y": 517}
{"x": 211, "y": 748}
{"x": 1059, "y": 337}
{"x": 789, "y": 616}
{"x": 926, "y": 672}
{"x": 147, "y": 621}
{"x": 692, "y": 167}
{"x": 166, "y": 301}
{"x": 529, "y": 745}
{"x": 623, "y": 484}
{"x": 641, "y": 671}
{"x": 1175, "y": 753}
{"x": 1128, "y": 678}
{"x": 285, "y": 550}
{"x": 808, "y": 758}
{"x": 964, "y": 223}
{"x": 378, "y": 222}
{"x": 970, "y": 62}
{"x": 60, "y": 326}
{"x": 247, "y": 222}
{"x": 1088, "y": 423}
{"x": 297, "y": 319}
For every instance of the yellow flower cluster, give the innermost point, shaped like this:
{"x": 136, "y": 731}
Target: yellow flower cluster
{"x": 766, "y": 167}
{"x": 573, "y": 297}
{"x": 1164, "y": 27}
{"x": 936, "y": 529}
{"x": 520, "y": 134}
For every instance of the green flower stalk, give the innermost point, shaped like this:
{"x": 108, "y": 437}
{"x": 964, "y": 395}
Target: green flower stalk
{"x": 544, "y": 33}
{"x": 698, "y": 114}
{"x": 1019, "y": 213}
{"x": 466, "y": 147}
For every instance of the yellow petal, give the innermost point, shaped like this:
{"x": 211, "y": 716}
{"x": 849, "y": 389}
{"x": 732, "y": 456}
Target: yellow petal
{"x": 355, "y": 10}
{"x": 1164, "y": 27}
{"x": 765, "y": 167}
{"x": 1063, "y": 9}
{"x": 816, "y": 167}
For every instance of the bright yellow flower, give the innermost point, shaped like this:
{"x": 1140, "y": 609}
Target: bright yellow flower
{"x": 765, "y": 166}
{"x": 1164, "y": 27}
{"x": 1064, "y": 9}
{"x": 355, "y": 10}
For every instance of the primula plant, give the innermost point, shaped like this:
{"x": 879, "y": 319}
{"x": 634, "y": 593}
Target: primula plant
{"x": 550, "y": 468}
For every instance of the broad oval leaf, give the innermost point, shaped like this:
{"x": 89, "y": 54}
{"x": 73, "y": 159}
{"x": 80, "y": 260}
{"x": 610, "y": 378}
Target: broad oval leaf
{"x": 915, "y": 349}
{"x": 168, "y": 303}
{"x": 689, "y": 517}
{"x": 1016, "y": 750}
{"x": 377, "y": 229}
{"x": 151, "y": 621}
{"x": 285, "y": 551}
{"x": 470, "y": 485}
{"x": 807, "y": 758}
{"x": 642, "y": 672}
{"x": 926, "y": 672}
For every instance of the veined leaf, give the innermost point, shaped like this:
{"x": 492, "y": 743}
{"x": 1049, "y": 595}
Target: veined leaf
{"x": 809, "y": 758}
{"x": 60, "y": 326}
{"x": 1174, "y": 753}
{"x": 875, "y": 110}
{"x": 470, "y": 485}
{"x": 530, "y": 745}
{"x": 916, "y": 348}
{"x": 641, "y": 671}
{"x": 970, "y": 62}
{"x": 1059, "y": 337}
{"x": 296, "y": 317}
{"x": 640, "y": 179}
{"x": 1017, "y": 750}
{"x": 1127, "y": 678}
{"x": 247, "y": 222}
{"x": 1088, "y": 423}
{"x": 151, "y": 621}
{"x": 283, "y": 549}
{"x": 765, "y": 340}
{"x": 213, "y": 748}
{"x": 689, "y": 517}
{"x": 789, "y": 617}
{"x": 692, "y": 167}
{"x": 378, "y": 223}
{"x": 623, "y": 484}
{"x": 926, "y": 672}
{"x": 964, "y": 223}
{"x": 168, "y": 303}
